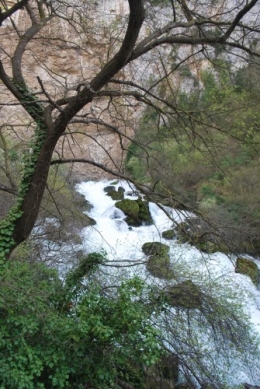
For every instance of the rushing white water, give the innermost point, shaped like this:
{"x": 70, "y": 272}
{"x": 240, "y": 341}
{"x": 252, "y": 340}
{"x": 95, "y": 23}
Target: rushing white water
{"x": 213, "y": 273}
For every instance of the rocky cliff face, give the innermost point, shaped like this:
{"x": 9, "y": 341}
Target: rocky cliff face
{"x": 62, "y": 55}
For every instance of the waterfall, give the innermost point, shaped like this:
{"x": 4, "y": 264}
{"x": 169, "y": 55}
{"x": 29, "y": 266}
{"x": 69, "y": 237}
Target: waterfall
{"x": 213, "y": 273}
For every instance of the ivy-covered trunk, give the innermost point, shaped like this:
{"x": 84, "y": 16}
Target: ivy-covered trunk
{"x": 18, "y": 224}
{"x": 21, "y": 218}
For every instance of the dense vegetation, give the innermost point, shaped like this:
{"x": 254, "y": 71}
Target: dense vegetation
{"x": 69, "y": 335}
{"x": 77, "y": 70}
{"x": 208, "y": 158}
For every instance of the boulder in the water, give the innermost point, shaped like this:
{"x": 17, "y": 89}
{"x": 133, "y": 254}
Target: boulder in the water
{"x": 186, "y": 294}
{"x": 155, "y": 248}
{"x": 169, "y": 234}
{"x": 159, "y": 266}
{"x": 249, "y": 268}
{"x": 137, "y": 212}
{"x": 113, "y": 193}
{"x": 158, "y": 263}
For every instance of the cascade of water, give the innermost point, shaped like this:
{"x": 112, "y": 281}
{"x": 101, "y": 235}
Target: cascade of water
{"x": 123, "y": 245}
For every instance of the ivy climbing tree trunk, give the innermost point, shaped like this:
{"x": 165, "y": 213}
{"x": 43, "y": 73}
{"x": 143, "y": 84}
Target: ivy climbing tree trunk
{"x": 51, "y": 116}
{"x": 21, "y": 218}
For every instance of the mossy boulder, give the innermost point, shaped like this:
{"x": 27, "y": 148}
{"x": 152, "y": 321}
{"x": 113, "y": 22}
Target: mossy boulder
{"x": 159, "y": 266}
{"x": 144, "y": 212}
{"x": 169, "y": 234}
{"x": 113, "y": 193}
{"x": 249, "y": 268}
{"x": 185, "y": 295}
{"x": 155, "y": 248}
{"x": 206, "y": 246}
{"x": 158, "y": 263}
{"x": 137, "y": 212}
{"x": 87, "y": 220}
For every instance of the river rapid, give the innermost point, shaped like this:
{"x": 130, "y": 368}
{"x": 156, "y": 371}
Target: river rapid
{"x": 188, "y": 332}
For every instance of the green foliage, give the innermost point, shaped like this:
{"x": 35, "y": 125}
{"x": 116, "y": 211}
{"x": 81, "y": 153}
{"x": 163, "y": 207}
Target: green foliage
{"x": 30, "y": 159}
{"x": 52, "y": 337}
{"x": 207, "y": 156}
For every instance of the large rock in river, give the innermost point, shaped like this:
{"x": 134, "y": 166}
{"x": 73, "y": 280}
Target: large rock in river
{"x": 113, "y": 193}
{"x": 158, "y": 264}
{"x": 185, "y": 295}
{"x": 249, "y": 268}
{"x": 137, "y": 212}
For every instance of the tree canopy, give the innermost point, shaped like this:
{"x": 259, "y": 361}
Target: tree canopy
{"x": 145, "y": 35}
{"x": 172, "y": 85}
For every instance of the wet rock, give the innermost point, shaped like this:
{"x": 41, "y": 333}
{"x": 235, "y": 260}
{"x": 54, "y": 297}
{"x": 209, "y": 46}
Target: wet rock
{"x": 155, "y": 248}
{"x": 87, "y": 220}
{"x": 137, "y": 212}
{"x": 185, "y": 295}
{"x": 107, "y": 189}
{"x": 131, "y": 210}
{"x": 158, "y": 264}
{"x": 81, "y": 202}
{"x": 144, "y": 212}
{"x": 249, "y": 268}
{"x": 113, "y": 193}
{"x": 169, "y": 234}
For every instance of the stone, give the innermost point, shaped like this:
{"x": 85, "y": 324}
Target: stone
{"x": 113, "y": 193}
{"x": 144, "y": 212}
{"x": 137, "y": 212}
{"x": 155, "y": 248}
{"x": 159, "y": 266}
{"x": 130, "y": 209}
{"x": 107, "y": 189}
{"x": 185, "y": 295}
{"x": 249, "y": 268}
{"x": 184, "y": 385}
{"x": 88, "y": 221}
{"x": 169, "y": 234}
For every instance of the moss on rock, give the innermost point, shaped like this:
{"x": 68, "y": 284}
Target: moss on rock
{"x": 169, "y": 234}
{"x": 155, "y": 248}
{"x": 113, "y": 193}
{"x": 249, "y": 268}
{"x": 159, "y": 266}
{"x": 144, "y": 212}
{"x": 137, "y": 212}
{"x": 158, "y": 263}
{"x": 185, "y": 295}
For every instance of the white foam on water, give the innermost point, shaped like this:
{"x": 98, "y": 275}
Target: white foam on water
{"x": 215, "y": 272}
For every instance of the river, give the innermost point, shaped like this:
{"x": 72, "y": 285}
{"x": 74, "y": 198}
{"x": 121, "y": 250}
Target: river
{"x": 187, "y": 332}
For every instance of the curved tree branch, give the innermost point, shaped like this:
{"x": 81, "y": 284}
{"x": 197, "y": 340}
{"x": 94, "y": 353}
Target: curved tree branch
{"x": 9, "y": 12}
